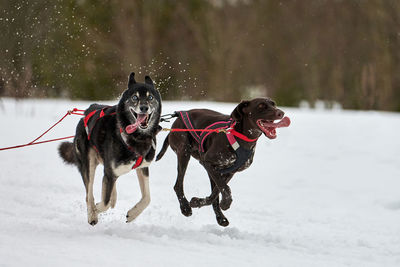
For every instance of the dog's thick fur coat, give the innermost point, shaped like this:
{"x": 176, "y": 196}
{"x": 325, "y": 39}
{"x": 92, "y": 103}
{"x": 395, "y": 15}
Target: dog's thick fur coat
{"x": 114, "y": 144}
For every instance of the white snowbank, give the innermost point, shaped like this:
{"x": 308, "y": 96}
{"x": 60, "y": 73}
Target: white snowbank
{"x": 326, "y": 192}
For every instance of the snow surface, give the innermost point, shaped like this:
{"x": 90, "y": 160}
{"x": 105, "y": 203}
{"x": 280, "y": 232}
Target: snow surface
{"x": 326, "y": 192}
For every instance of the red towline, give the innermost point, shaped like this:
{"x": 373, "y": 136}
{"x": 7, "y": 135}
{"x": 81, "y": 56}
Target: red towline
{"x": 74, "y": 111}
{"x": 80, "y": 112}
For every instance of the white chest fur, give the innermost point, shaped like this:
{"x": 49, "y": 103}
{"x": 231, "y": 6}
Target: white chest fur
{"x": 121, "y": 169}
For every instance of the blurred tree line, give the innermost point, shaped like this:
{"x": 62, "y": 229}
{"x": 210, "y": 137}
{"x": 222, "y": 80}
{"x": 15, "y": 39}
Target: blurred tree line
{"x": 346, "y": 51}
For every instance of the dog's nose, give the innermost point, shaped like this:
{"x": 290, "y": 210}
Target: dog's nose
{"x": 280, "y": 113}
{"x": 144, "y": 109}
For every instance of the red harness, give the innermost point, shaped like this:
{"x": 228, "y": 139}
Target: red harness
{"x": 90, "y": 121}
{"x": 242, "y": 154}
{"x": 227, "y": 125}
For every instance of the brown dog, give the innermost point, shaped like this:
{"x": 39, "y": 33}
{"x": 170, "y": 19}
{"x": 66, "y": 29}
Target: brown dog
{"x": 224, "y": 153}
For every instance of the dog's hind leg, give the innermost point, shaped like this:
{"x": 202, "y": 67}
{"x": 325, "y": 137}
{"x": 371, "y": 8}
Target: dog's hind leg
{"x": 101, "y": 207}
{"x": 86, "y": 161}
{"x": 88, "y": 180}
{"x": 143, "y": 177}
{"x": 108, "y": 192}
{"x": 183, "y": 160}
{"x": 113, "y": 199}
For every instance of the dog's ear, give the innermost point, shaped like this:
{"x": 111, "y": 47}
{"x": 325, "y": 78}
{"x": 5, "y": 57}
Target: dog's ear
{"x": 131, "y": 79}
{"x": 239, "y": 111}
{"x": 148, "y": 80}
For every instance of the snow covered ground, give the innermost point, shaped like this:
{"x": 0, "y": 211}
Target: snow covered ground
{"x": 326, "y": 192}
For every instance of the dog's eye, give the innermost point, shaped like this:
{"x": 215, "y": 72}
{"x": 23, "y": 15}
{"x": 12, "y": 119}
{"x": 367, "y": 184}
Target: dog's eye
{"x": 262, "y": 106}
{"x": 150, "y": 97}
{"x": 135, "y": 97}
{"x": 273, "y": 103}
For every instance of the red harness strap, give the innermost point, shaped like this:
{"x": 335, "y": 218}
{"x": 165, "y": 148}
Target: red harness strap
{"x": 88, "y": 116}
{"x": 138, "y": 162}
{"x": 91, "y": 119}
{"x": 218, "y": 126}
{"x": 242, "y": 136}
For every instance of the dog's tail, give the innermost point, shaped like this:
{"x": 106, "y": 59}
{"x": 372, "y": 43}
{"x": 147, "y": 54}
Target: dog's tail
{"x": 66, "y": 151}
{"x": 163, "y": 149}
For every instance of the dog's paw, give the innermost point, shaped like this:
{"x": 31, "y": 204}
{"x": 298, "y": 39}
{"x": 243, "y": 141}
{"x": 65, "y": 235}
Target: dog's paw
{"x": 137, "y": 209}
{"x": 222, "y": 221}
{"x": 92, "y": 216}
{"x": 93, "y": 219}
{"x": 132, "y": 214}
{"x": 129, "y": 218}
{"x": 186, "y": 210}
{"x": 93, "y": 222}
{"x": 196, "y": 202}
{"x": 225, "y": 203}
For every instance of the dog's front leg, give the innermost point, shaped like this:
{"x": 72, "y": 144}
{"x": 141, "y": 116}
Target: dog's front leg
{"x": 197, "y": 202}
{"x": 213, "y": 199}
{"x": 143, "y": 176}
{"x": 221, "y": 219}
{"x": 221, "y": 182}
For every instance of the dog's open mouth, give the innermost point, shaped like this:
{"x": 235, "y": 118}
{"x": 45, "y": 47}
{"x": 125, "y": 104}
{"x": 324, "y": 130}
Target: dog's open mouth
{"x": 269, "y": 127}
{"x": 142, "y": 121}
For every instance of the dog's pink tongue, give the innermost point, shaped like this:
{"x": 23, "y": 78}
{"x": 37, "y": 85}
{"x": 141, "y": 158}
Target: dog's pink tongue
{"x": 133, "y": 127}
{"x": 285, "y": 122}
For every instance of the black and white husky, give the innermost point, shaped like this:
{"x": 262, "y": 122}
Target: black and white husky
{"x": 122, "y": 138}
